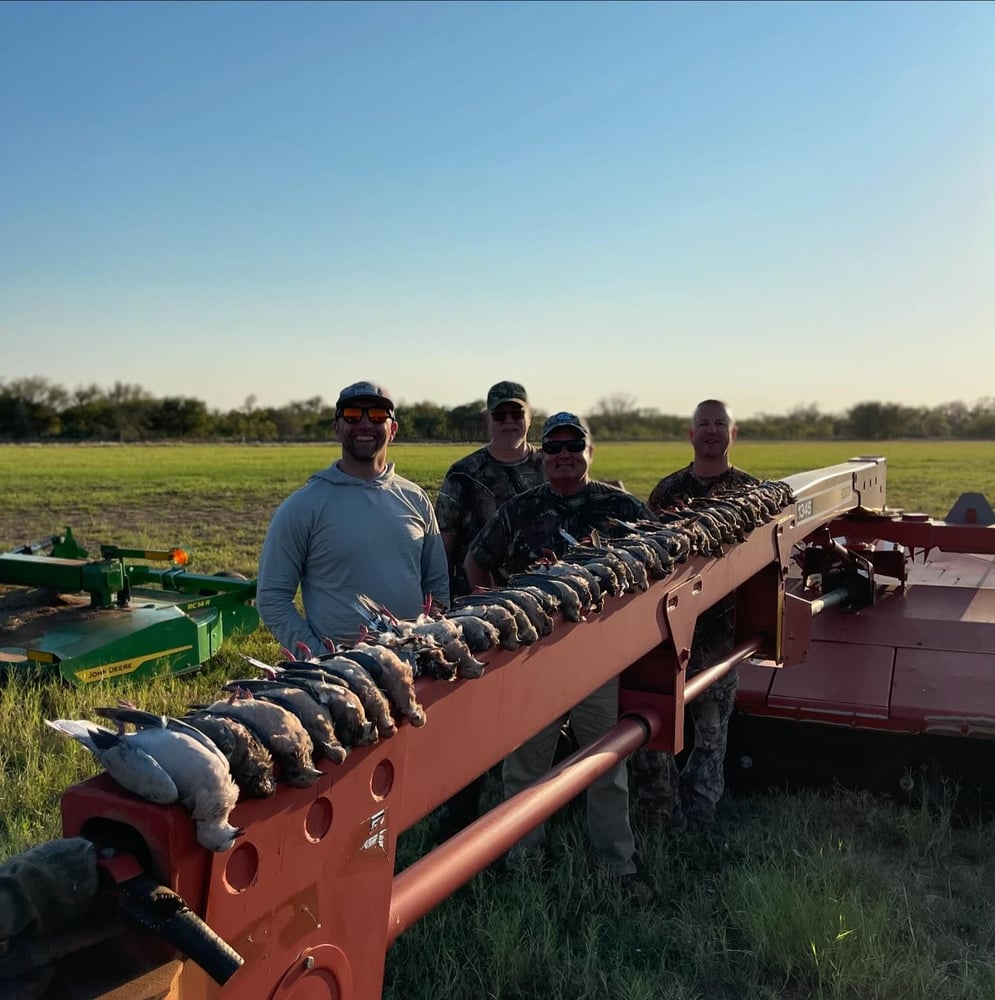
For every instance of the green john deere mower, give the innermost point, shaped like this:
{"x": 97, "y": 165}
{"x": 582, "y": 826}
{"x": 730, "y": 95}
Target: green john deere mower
{"x": 117, "y": 616}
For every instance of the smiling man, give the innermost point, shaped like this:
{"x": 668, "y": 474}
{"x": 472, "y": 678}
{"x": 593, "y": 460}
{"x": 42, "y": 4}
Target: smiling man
{"x": 663, "y": 796}
{"x": 529, "y": 526}
{"x": 712, "y": 433}
{"x": 524, "y": 529}
{"x": 354, "y": 528}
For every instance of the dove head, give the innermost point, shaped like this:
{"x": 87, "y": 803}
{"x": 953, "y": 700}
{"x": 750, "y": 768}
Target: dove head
{"x": 217, "y": 835}
{"x": 302, "y": 776}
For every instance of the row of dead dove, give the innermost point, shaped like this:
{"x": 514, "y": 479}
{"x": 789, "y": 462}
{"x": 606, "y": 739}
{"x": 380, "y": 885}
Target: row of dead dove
{"x": 268, "y": 730}
{"x": 307, "y": 706}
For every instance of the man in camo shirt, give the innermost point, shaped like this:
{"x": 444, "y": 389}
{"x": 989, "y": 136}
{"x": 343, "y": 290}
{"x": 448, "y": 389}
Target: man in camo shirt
{"x": 471, "y": 493}
{"x": 477, "y": 485}
{"x": 662, "y": 796}
{"x": 524, "y": 529}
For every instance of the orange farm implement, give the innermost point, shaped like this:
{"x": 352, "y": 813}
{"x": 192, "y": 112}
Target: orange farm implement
{"x": 848, "y": 615}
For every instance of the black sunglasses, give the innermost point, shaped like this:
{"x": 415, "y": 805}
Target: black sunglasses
{"x": 574, "y": 445}
{"x": 353, "y": 414}
{"x": 507, "y": 413}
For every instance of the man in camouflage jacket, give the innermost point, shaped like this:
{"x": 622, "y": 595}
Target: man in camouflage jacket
{"x": 470, "y": 495}
{"x": 478, "y": 484}
{"x": 663, "y": 796}
{"x": 523, "y": 530}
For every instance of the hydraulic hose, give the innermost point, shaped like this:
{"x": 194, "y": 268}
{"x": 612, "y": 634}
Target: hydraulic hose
{"x": 165, "y": 913}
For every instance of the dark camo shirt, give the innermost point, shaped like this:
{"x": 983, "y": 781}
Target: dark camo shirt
{"x": 528, "y": 525}
{"x": 714, "y": 631}
{"x": 471, "y": 493}
{"x": 684, "y": 484}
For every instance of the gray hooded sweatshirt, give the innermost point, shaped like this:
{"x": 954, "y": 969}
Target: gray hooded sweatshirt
{"x": 339, "y": 536}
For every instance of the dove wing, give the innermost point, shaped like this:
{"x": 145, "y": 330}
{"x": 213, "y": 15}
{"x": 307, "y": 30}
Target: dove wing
{"x": 82, "y": 732}
{"x": 132, "y": 768}
{"x": 179, "y": 726}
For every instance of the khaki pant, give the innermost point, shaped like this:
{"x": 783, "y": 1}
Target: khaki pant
{"x": 608, "y": 827}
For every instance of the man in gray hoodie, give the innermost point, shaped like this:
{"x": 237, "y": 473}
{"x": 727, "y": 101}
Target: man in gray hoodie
{"x": 354, "y": 528}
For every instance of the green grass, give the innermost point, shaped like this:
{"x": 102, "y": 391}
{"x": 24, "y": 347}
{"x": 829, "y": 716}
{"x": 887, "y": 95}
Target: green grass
{"x": 834, "y": 895}
{"x": 218, "y": 499}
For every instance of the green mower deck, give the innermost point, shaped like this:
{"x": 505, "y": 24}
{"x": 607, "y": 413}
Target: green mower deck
{"x": 138, "y": 620}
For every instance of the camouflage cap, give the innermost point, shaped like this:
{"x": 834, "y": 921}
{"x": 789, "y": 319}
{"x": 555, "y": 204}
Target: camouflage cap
{"x": 366, "y": 390}
{"x": 506, "y": 392}
{"x": 564, "y": 419}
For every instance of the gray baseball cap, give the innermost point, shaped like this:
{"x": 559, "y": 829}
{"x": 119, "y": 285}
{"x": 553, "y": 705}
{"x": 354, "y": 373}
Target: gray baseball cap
{"x": 366, "y": 390}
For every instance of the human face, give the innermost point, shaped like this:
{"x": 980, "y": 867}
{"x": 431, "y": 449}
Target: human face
{"x": 711, "y": 432}
{"x": 508, "y": 425}
{"x": 567, "y": 471}
{"x": 365, "y": 442}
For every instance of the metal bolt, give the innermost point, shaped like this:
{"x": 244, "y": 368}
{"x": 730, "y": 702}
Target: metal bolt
{"x": 309, "y": 962}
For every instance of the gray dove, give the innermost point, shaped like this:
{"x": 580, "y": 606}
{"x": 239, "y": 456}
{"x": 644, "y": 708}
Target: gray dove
{"x": 164, "y": 765}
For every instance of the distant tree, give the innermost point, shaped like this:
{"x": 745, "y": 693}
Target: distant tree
{"x": 130, "y": 406}
{"x": 30, "y": 407}
{"x": 878, "y": 421}
{"x": 466, "y": 422}
{"x": 666, "y": 425}
{"x": 177, "y": 417}
{"x": 36, "y": 409}
{"x": 808, "y": 422}
{"x": 89, "y": 417}
{"x": 957, "y": 416}
{"x": 262, "y": 425}
{"x": 615, "y": 417}
{"x": 618, "y": 405}
{"x": 303, "y": 420}
{"x": 423, "y": 422}
{"x": 935, "y": 424}
{"x": 980, "y": 422}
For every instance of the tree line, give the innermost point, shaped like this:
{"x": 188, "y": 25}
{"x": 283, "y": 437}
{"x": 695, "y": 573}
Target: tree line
{"x": 35, "y": 409}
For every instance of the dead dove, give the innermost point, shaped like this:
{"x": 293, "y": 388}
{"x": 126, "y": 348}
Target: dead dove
{"x": 351, "y": 724}
{"x": 251, "y": 764}
{"x": 331, "y": 671}
{"x": 375, "y": 703}
{"x": 392, "y": 675}
{"x": 281, "y": 732}
{"x": 166, "y": 765}
{"x": 313, "y": 714}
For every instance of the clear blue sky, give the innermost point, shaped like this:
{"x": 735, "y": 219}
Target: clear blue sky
{"x": 776, "y": 204}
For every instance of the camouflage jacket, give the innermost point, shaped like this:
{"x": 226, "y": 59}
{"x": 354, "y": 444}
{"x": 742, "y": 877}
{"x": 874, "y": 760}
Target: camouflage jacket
{"x": 715, "y": 630}
{"x": 529, "y": 526}
{"x": 684, "y": 484}
{"x": 470, "y": 495}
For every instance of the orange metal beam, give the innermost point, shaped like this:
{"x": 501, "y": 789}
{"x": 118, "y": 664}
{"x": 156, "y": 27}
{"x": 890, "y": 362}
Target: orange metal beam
{"x": 436, "y": 876}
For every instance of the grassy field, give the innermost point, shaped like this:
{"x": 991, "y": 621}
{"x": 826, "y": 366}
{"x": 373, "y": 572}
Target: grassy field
{"x": 218, "y": 499}
{"x": 818, "y": 895}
